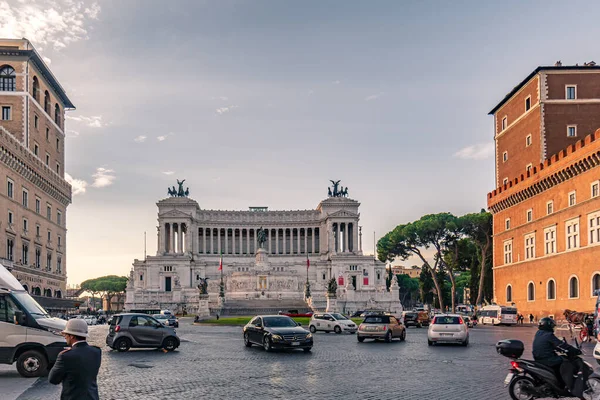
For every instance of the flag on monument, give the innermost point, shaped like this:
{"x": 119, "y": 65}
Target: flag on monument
{"x": 221, "y": 262}
{"x": 307, "y": 262}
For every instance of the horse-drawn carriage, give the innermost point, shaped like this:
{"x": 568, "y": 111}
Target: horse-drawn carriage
{"x": 579, "y": 321}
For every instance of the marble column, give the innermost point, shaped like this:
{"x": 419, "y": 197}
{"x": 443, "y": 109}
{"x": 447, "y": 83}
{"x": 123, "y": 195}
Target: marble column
{"x": 254, "y": 241}
{"x": 270, "y": 239}
{"x": 233, "y": 240}
{"x": 277, "y": 241}
{"x": 346, "y": 232}
{"x": 337, "y": 239}
{"x": 159, "y": 248}
{"x": 305, "y": 240}
{"x": 212, "y": 241}
{"x": 219, "y": 240}
{"x": 291, "y": 240}
{"x": 312, "y": 248}
{"x": 284, "y": 240}
{"x": 172, "y": 245}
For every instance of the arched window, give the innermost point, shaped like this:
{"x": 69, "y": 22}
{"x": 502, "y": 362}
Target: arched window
{"x": 551, "y": 290}
{"x": 48, "y": 292}
{"x": 58, "y": 294}
{"x": 509, "y": 294}
{"x": 36, "y": 89}
{"x": 26, "y": 288}
{"x": 573, "y": 287}
{"x": 47, "y": 102}
{"x": 530, "y": 291}
{"x": 57, "y": 114}
{"x": 8, "y": 79}
{"x": 595, "y": 283}
{"x": 36, "y": 291}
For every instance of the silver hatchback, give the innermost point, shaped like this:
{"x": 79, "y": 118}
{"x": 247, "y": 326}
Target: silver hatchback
{"x": 140, "y": 331}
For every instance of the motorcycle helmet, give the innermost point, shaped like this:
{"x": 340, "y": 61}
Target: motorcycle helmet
{"x": 546, "y": 324}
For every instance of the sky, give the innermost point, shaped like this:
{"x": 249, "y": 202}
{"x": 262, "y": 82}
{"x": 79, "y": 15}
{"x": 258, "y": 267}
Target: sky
{"x": 261, "y": 103}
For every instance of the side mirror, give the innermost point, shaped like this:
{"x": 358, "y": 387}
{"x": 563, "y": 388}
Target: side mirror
{"x": 20, "y": 318}
{"x": 299, "y": 324}
{"x": 258, "y": 326}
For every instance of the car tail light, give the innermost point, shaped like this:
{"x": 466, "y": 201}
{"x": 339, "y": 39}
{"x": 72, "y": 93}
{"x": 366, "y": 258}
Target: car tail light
{"x": 117, "y": 328}
{"x": 460, "y": 320}
{"x": 385, "y": 327}
{"x": 433, "y": 321}
{"x": 514, "y": 364}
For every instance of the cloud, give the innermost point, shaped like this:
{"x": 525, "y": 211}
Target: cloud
{"x": 140, "y": 139}
{"x": 47, "y": 60}
{"x": 336, "y": 82}
{"x": 374, "y": 96}
{"x": 168, "y": 172}
{"x": 222, "y": 98}
{"x": 78, "y": 186}
{"x": 162, "y": 138}
{"x": 103, "y": 177}
{"x": 223, "y": 110}
{"x": 478, "y": 151}
{"x": 71, "y": 133}
{"x": 93, "y": 121}
{"x": 47, "y": 22}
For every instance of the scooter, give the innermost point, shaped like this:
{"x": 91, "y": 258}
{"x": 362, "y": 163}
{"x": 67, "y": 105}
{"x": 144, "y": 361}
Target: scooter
{"x": 528, "y": 379}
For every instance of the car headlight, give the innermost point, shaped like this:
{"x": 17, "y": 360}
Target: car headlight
{"x": 276, "y": 337}
{"x": 309, "y": 336}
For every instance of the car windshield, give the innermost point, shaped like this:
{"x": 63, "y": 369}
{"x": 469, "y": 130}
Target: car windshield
{"x": 411, "y": 315}
{"x": 447, "y": 320}
{"x": 159, "y": 316}
{"x": 377, "y": 320}
{"x": 31, "y": 305}
{"x": 338, "y": 316}
{"x": 279, "y": 322}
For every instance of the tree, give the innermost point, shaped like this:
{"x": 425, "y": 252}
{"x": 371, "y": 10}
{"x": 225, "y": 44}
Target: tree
{"x": 108, "y": 286}
{"x": 478, "y": 227}
{"x": 408, "y": 287}
{"x": 90, "y": 286}
{"x": 431, "y": 231}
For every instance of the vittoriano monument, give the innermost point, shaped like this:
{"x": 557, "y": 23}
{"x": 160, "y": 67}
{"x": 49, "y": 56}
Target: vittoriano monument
{"x": 178, "y": 192}
{"x": 261, "y": 237}
{"x": 338, "y": 191}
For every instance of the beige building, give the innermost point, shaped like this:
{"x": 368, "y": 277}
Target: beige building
{"x": 402, "y": 270}
{"x": 33, "y": 192}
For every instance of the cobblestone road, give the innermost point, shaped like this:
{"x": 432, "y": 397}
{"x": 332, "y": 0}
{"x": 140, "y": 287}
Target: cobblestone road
{"x": 212, "y": 362}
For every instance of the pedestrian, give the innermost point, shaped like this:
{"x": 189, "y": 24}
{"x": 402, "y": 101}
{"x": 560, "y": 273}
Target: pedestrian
{"x": 77, "y": 366}
{"x": 531, "y": 318}
{"x": 217, "y": 316}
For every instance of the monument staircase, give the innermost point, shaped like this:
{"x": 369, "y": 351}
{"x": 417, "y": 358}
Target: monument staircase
{"x": 263, "y": 306}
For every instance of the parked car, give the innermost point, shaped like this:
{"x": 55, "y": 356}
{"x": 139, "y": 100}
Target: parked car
{"x": 357, "y": 314}
{"x": 140, "y": 331}
{"x": 296, "y": 314}
{"x": 277, "y": 332}
{"x": 449, "y": 328}
{"x": 168, "y": 320}
{"x": 90, "y": 320}
{"x": 386, "y": 327}
{"x": 468, "y": 320}
{"x": 329, "y": 322}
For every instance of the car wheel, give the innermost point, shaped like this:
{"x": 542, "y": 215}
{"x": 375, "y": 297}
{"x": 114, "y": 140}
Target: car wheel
{"x": 31, "y": 364}
{"x": 466, "y": 342}
{"x": 419, "y": 325}
{"x": 337, "y": 329}
{"x": 313, "y": 329}
{"x": 122, "y": 345}
{"x": 169, "y": 344}
{"x": 403, "y": 335}
{"x": 307, "y": 349}
{"x": 388, "y": 337}
{"x": 247, "y": 342}
{"x": 360, "y": 338}
{"x": 267, "y": 343}
{"x": 429, "y": 342}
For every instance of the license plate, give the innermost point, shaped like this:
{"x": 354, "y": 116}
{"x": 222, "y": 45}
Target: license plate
{"x": 508, "y": 378}
{"x": 295, "y": 343}
{"x": 445, "y": 334}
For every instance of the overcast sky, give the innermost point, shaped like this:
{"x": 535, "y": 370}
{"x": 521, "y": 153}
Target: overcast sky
{"x": 260, "y": 103}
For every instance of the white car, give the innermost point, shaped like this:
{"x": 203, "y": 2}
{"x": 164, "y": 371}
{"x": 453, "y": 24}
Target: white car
{"x": 448, "y": 328}
{"x": 597, "y": 352}
{"x": 162, "y": 318}
{"x": 90, "y": 320}
{"x": 329, "y": 322}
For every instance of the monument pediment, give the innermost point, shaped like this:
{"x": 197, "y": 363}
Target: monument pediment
{"x": 174, "y": 214}
{"x": 343, "y": 214}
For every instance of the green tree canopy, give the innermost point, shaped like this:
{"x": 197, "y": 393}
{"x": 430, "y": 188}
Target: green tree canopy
{"x": 108, "y": 286}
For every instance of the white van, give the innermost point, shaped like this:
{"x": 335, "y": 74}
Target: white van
{"x": 498, "y": 315}
{"x": 28, "y": 335}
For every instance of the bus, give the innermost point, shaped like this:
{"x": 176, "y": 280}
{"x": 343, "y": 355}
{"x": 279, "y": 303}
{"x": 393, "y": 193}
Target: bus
{"x": 498, "y": 315}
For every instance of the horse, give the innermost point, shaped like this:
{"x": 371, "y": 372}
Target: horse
{"x": 574, "y": 317}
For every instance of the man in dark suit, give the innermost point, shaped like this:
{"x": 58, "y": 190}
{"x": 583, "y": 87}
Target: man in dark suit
{"x": 77, "y": 366}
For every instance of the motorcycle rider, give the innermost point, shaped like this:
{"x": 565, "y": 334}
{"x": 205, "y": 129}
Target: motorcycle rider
{"x": 545, "y": 345}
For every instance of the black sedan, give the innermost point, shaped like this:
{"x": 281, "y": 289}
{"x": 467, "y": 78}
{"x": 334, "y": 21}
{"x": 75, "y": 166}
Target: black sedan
{"x": 277, "y": 332}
